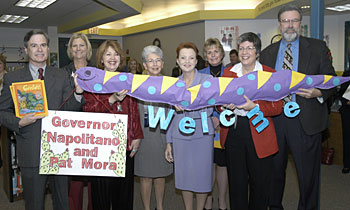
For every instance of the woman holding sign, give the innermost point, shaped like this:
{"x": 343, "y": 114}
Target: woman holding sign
{"x": 150, "y": 164}
{"x": 191, "y": 150}
{"x": 248, "y": 152}
{"x": 107, "y": 190}
{"x": 79, "y": 51}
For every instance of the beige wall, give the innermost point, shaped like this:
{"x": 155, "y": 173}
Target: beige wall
{"x": 170, "y": 38}
{"x": 334, "y": 27}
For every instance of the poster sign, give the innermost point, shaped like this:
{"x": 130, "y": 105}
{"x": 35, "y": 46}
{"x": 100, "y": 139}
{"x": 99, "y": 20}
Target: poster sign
{"x": 83, "y": 143}
{"x": 228, "y": 37}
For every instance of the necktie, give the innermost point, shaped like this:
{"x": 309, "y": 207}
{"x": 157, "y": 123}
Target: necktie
{"x": 41, "y": 75}
{"x": 288, "y": 65}
{"x": 288, "y": 59}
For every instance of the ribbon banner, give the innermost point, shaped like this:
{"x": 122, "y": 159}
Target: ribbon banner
{"x": 83, "y": 143}
{"x": 257, "y": 85}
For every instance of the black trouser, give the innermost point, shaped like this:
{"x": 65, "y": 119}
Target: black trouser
{"x": 116, "y": 191}
{"x": 306, "y": 151}
{"x": 34, "y": 188}
{"x": 345, "y": 119}
{"x": 245, "y": 168}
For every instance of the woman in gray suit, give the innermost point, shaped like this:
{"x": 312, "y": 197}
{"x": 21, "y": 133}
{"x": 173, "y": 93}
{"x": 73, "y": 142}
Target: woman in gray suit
{"x": 150, "y": 164}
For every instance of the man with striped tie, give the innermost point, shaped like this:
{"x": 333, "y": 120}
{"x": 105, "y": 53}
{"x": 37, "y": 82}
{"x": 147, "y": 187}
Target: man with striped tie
{"x": 28, "y": 128}
{"x": 302, "y": 134}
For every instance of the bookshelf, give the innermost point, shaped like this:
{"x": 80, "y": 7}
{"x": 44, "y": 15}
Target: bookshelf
{"x": 11, "y": 172}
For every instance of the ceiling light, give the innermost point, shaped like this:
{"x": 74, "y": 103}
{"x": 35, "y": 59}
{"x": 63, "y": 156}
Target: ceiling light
{"x": 41, "y": 4}
{"x": 340, "y": 8}
{"x": 12, "y": 18}
{"x": 306, "y": 7}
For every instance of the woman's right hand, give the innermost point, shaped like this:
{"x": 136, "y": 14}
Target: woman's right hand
{"x": 178, "y": 108}
{"x": 169, "y": 154}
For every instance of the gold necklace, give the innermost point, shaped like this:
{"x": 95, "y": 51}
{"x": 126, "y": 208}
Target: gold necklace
{"x": 217, "y": 74}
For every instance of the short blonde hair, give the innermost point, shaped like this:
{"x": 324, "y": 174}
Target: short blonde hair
{"x": 210, "y": 42}
{"x": 102, "y": 49}
{"x": 85, "y": 39}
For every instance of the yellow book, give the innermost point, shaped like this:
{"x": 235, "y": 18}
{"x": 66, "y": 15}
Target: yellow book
{"x": 29, "y": 97}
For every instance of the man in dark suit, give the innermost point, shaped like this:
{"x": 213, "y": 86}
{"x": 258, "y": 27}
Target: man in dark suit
{"x": 28, "y": 128}
{"x": 302, "y": 134}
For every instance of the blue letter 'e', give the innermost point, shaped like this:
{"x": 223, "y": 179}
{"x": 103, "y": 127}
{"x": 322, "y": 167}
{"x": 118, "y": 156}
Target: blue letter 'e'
{"x": 291, "y": 109}
{"x": 187, "y": 122}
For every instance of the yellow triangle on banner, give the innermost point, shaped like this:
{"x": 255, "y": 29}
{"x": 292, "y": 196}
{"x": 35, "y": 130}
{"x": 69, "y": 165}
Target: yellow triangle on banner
{"x": 137, "y": 81}
{"x": 167, "y": 83}
{"x": 263, "y": 77}
{"x": 296, "y": 78}
{"x": 194, "y": 92}
{"x": 109, "y": 75}
{"x": 223, "y": 83}
{"x": 327, "y": 78}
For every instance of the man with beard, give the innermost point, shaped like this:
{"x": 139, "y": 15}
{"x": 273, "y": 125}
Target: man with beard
{"x": 301, "y": 134}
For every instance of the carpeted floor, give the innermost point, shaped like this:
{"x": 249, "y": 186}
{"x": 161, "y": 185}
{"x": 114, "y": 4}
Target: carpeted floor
{"x": 335, "y": 192}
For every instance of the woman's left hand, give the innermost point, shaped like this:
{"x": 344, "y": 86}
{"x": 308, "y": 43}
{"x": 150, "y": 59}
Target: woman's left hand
{"x": 134, "y": 146}
{"x": 78, "y": 89}
{"x": 249, "y": 105}
{"x": 119, "y": 96}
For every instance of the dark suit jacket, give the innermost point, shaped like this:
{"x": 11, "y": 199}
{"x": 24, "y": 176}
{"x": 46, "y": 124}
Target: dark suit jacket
{"x": 344, "y": 106}
{"x": 313, "y": 60}
{"x": 28, "y": 138}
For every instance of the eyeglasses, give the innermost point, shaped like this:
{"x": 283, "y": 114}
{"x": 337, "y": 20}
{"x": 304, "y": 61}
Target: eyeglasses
{"x": 158, "y": 60}
{"x": 249, "y": 49}
{"x": 286, "y": 21}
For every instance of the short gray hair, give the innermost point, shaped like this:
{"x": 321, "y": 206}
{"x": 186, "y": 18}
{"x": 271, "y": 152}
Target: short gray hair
{"x": 151, "y": 49}
{"x": 289, "y": 7}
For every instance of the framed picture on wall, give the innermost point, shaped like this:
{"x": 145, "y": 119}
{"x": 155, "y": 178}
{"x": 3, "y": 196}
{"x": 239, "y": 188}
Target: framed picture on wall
{"x": 53, "y": 59}
{"x": 229, "y": 37}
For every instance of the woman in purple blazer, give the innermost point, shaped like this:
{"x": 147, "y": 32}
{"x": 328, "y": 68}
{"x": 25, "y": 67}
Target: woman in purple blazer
{"x": 191, "y": 153}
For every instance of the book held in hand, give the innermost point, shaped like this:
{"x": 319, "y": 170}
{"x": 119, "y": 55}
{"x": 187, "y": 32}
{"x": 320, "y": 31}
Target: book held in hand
{"x": 29, "y": 97}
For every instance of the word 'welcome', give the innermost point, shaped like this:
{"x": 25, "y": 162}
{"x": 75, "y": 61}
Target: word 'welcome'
{"x": 187, "y": 125}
